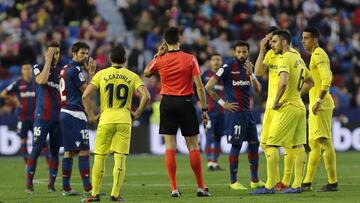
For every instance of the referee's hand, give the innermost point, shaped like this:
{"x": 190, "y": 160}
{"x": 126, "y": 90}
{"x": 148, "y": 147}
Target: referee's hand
{"x": 162, "y": 49}
{"x": 205, "y": 118}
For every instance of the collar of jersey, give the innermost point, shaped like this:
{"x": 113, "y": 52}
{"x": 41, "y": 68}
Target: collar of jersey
{"x": 175, "y": 50}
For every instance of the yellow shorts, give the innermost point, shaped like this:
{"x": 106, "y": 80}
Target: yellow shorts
{"x": 266, "y": 125}
{"x": 113, "y": 137}
{"x": 288, "y": 127}
{"x": 320, "y": 124}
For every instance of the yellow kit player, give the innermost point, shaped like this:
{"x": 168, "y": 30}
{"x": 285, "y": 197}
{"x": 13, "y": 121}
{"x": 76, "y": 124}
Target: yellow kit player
{"x": 267, "y": 61}
{"x": 116, "y": 86}
{"x": 289, "y": 116}
{"x": 320, "y": 113}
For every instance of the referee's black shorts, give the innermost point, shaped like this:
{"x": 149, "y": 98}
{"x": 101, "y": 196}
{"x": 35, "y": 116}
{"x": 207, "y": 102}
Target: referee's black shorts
{"x": 178, "y": 111}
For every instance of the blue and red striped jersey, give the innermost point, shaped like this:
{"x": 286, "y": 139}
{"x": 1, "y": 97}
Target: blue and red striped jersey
{"x": 213, "y": 106}
{"x": 48, "y": 95}
{"x": 236, "y": 82}
{"x": 25, "y": 93}
{"x": 71, "y": 79}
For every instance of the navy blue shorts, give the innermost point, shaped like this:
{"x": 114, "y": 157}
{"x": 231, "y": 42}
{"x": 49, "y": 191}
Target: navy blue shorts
{"x": 74, "y": 133}
{"x": 239, "y": 127}
{"x": 23, "y": 128}
{"x": 215, "y": 126}
{"x": 42, "y": 128}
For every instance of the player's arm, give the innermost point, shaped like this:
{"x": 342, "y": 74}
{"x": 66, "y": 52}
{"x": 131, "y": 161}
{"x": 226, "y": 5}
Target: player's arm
{"x": 5, "y": 94}
{"x": 260, "y": 67}
{"x": 210, "y": 88}
{"x": 254, "y": 81}
{"x": 91, "y": 67}
{"x": 43, "y": 76}
{"x": 147, "y": 72}
{"x": 283, "y": 83}
{"x": 200, "y": 89}
{"x": 152, "y": 66}
{"x": 144, "y": 99}
{"x": 89, "y": 91}
{"x": 325, "y": 79}
{"x": 308, "y": 83}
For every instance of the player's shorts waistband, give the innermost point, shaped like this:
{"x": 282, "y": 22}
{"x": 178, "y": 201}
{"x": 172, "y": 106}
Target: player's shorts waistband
{"x": 77, "y": 114}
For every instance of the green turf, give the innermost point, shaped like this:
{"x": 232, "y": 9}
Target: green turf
{"x": 146, "y": 181}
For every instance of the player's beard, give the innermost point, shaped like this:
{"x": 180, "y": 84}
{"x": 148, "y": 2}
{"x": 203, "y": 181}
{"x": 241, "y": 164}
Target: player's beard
{"x": 242, "y": 60}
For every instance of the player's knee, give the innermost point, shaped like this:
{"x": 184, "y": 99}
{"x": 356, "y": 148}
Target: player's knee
{"x": 322, "y": 140}
{"x": 263, "y": 146}
{"x": 254, "y": 143}
{"x": 84, "y": 153}
{"x": 36, "y": 151}
{"x": 54, "y": 151}
{"x": 192, "y": 143}
{"x": 68, "y": 154}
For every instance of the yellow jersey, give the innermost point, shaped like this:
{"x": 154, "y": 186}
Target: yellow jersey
{"x": 293, "y": 64}
{"x": 117, "y": 87}
{"x": 322, "y": 75}
{"x": 270, "y": 60}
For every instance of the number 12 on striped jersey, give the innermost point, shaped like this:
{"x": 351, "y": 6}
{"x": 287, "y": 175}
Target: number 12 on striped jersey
{"x": 121, "y": 94}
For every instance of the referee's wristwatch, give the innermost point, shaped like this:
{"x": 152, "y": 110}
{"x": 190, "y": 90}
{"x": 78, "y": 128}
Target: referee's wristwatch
{"x": 204, "y": 110}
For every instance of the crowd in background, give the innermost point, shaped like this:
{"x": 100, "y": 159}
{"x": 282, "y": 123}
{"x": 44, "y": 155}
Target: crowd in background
{"x": 207, "y": 26}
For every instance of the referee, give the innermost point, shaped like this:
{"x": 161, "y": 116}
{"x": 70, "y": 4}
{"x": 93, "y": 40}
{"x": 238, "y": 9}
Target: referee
{"x": 178, "y": 71}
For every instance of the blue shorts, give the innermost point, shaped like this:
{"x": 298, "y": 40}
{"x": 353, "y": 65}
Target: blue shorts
{"x": 23, "y": 128}
{"x": 239, "y": 127}
{"x": 44, "y": 127}
{"x": 215, "y": 126}
{"x": 74, "y": 133}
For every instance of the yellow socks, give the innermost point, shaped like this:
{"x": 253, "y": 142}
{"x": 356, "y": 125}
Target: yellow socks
{"x": 289, "y": 159}
{"x": 313, "y": 160}
{"x": 277, "y": 174}
{"x": 300, "y": 157}
{"x": 329, "y": 160}
{"x": 272, "y": 165}
{"x": 118, "y": 173}
{"x": 97, "y": 173}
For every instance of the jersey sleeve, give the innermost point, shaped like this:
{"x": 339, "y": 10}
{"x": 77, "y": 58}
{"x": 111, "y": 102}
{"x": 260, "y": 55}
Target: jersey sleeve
{"x": 195, "y": 67}
{"x": 137, "y": 82}
{"x": 78, "y": 77}
{"x": 222, "y": 73}
{"x": 154, "y": 64}
{"x": 37, "y": 69}
{"x": 323, "y": 66}
{"x": 283, "y": 64}
{"x": 96, "y": 79}
{"x": 13, "y": 87}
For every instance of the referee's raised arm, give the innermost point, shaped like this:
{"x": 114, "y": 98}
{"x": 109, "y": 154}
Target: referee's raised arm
{"x": 161, "y": 51}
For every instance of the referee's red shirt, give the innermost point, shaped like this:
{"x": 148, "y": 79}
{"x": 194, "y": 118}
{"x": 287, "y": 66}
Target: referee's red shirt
{"x": 176, "y": 71}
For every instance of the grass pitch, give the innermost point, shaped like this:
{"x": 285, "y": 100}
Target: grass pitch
{"x": 146, "y": 181}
